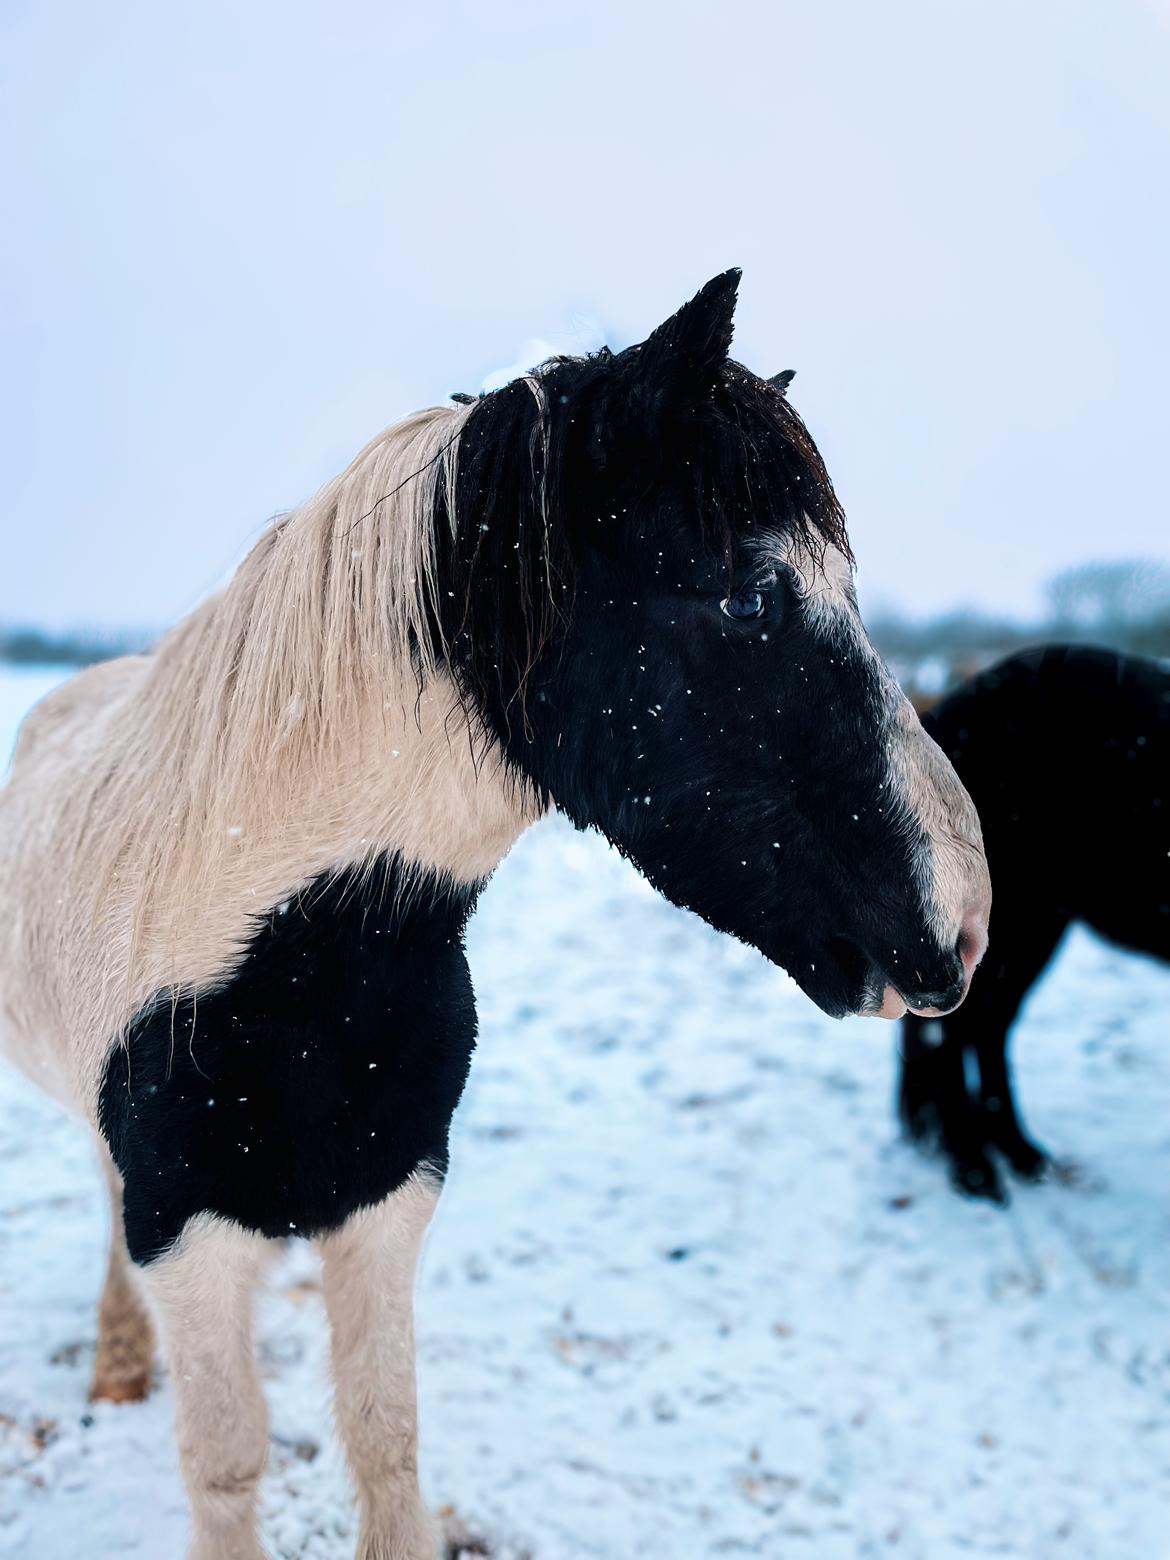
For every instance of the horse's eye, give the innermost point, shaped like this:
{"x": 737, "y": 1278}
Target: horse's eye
{"x": 745, "y": 604}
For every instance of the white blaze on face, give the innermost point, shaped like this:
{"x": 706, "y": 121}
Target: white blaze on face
{"x": 955, "y": 880}
{"x": 951, "y": 867}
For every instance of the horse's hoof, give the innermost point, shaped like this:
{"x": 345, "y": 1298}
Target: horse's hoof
{"x": 1028, "y": 1162}
{"x": 979, "y": 1178}
{"x": 1026, "y": 1159}
{"x": 121, "y": 1389}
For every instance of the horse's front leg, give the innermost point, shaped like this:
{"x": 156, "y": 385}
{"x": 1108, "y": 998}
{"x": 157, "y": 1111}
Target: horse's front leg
{"x": 935, "y": 1102}
{"x": 124, "y": 1361}
{"x": 368, "y": 1268}
{"x": 203, "y": 1288}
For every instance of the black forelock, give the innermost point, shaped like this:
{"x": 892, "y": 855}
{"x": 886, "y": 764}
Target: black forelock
{"x": 538, "y": 458}
{"x": 756, "y": 468}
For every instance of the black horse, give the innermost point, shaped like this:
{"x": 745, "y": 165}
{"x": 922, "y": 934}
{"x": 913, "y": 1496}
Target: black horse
{"x": 1066, "y": 753}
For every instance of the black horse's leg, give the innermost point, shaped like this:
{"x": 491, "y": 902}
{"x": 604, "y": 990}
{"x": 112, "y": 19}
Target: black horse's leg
{"x": 1004, "y": 1129}
{"x": 936, "y": 1099}
{"x": 935, "y": 1103}
{"x": 926, "y": 1076}
{"x": 1031, "y": 950}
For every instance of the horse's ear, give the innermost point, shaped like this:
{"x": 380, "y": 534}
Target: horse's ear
{"x": 680, "y": 362}
{"x": 783, "y": 379}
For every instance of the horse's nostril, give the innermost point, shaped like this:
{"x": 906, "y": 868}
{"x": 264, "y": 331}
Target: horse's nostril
{"x": 954, "y": 978}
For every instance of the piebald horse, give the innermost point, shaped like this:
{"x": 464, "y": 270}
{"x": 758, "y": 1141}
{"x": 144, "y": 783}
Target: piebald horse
{"x": 236, "y": 871}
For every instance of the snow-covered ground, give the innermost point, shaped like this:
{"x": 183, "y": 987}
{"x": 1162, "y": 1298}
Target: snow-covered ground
{"x": 686, "y": 1294}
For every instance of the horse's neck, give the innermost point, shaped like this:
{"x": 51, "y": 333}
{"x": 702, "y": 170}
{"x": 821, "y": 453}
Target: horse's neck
{"x": 408, "y": 785}
{"x": 413, "y": 780}
{"x": 404, "y": 778}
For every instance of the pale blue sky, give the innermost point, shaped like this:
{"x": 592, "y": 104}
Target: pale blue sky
{"x": 240, "y": 238}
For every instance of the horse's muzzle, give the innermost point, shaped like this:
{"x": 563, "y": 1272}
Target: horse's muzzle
{"x": 970, "y": 946}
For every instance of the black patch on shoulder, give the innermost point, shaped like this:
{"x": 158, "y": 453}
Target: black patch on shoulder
{"x": 314, "y": 1080}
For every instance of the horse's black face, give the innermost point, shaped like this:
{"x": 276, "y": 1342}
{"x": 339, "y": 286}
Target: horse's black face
{"x": 724, "y": 748}
{"x": 734, "y": 740}
{"x": 709, "y": 699}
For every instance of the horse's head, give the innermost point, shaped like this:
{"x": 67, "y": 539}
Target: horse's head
{"x": 652, "y": 609}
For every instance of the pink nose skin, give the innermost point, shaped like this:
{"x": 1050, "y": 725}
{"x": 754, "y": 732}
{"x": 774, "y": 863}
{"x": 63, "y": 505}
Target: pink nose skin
{"x": 892, "y": 1005}
{"x": 972, "y": 944}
